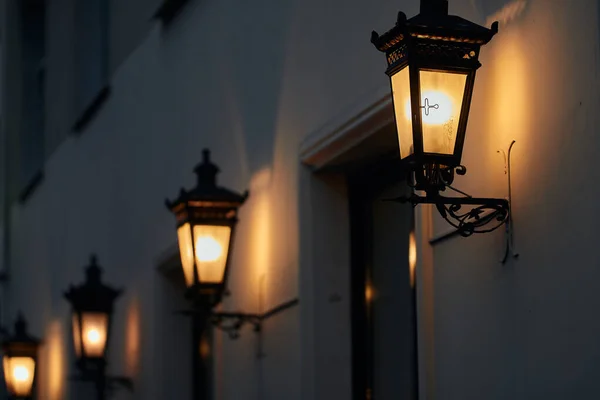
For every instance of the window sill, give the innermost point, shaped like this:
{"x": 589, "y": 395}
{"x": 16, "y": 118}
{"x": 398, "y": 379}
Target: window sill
{"x": 90, "y": 112}
{"x": 169, "y": 9}
{"x": 31, "y": 187}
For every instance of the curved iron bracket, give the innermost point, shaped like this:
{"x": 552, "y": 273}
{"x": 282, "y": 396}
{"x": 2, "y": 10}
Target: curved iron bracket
{"x": 482, "y": 215}
{"x": 238, "y": 320}
{"x": 476, "y": 219}
{"x": 231, "y": 323}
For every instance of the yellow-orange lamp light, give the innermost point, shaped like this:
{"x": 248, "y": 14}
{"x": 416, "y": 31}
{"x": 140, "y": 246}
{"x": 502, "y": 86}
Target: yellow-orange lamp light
{"x": 19, "y": 361}
{"x": 206, "y": 217}
{"x": 92, "y": 306}
{"x": 432, "y": 60}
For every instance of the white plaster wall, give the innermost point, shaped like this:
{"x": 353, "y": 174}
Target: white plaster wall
{"x": 527, "y": 329}
{"x": 250, "y": 80}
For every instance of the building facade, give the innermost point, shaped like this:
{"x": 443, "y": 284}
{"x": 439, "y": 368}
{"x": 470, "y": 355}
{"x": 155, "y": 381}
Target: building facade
{"x": 107, "y": 106}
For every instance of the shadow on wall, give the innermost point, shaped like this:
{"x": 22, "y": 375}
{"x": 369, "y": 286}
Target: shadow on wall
{"x": 173, "y": 338}
{"x": 252, "y": 70}
{"x": 222, "y": 79}
{"x": 257, "y": 245}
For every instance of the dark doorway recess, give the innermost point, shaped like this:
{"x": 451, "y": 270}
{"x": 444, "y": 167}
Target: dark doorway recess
{"x": 384, "y": 338}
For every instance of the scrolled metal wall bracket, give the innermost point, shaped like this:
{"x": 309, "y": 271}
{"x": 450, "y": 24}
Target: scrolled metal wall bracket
{"x": 474, "y": 220}
{"x": 232, "y": 322}
{"x": 482, "y": 215}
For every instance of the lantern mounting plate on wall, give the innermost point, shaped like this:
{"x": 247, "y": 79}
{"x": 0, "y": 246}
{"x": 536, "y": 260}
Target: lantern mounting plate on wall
{"x": 432, "y": 61}
{"x": 206, "y": 218}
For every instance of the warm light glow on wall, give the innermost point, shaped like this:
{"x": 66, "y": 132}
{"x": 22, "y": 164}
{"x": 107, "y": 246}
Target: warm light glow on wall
{"x": 132, "y": 337}
{"x": 204, "y": 348}
{"x": 507, "y": 97}
{"x": 412, "y": 257}
{"x": 259, "y": 237}
{"x": 55, "y": 363}
{"x": 369, "y": 293}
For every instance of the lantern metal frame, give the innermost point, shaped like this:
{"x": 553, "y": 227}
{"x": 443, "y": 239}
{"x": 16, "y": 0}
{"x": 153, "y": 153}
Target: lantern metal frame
{"x": 433, "y": 40}
{"x": 93, "y": 296}
{"x": 210, "y": 204}
{"x": 21, "y": 344}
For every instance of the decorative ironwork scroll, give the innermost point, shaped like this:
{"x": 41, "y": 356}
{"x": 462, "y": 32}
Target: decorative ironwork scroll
{"x": 486, "y": 215}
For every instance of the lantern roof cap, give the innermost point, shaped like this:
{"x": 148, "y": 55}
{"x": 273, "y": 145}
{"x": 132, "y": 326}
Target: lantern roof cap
{"x": 92, "y": 295}
{"x": 20, "y": 334}
{"x": 434, "y": 26}
{"x": 206, "y": 189}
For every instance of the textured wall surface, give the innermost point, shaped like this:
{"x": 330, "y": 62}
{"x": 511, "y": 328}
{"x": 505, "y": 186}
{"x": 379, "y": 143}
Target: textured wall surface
{"x": 250, "y": 80}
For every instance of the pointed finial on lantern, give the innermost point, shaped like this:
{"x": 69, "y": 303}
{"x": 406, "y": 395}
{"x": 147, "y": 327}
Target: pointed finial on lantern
{"x": 20, "y": 325}
{"x": 93, "y": 271}
{"x": 206, "y": 171}
{"x": 434, "y": 7}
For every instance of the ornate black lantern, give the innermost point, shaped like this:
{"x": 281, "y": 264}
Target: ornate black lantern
{"x": 206, "y": 218}
{"x": 432, "y": 60}
{"x": 19, "y": 361}
{"x": 92, "y": 306}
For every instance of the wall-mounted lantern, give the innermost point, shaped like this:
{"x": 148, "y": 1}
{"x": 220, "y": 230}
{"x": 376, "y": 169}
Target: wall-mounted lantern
{"x": 432, "y": 60}
{"x": 92, "y": 305}
{"x": 206, "y": 218}
{"x": 19, "y": 361}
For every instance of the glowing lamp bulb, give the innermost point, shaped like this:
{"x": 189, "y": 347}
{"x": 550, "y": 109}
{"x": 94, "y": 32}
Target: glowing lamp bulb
{"x": 208, "y": 249}
{"x": 436, "y": 108}
{"x": 93, "y": 336}
{"x": 21, "y": 374}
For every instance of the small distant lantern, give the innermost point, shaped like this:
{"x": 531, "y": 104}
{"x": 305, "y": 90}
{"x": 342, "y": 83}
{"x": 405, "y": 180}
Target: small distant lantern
{"x": 19, "y": 361}
{"x": 432, "y": 59}
{"x": 206, "y": 218}
{"x": 92, "y": 306}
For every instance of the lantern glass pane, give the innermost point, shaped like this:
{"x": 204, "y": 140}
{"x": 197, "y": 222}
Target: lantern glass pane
{"x": 186, "y": 252}
{"x": 76, "y": 334}
{"x": 18, "y": 375}
{"x": 94, "y": 331}
{"x": 401, "y": 96}
{"x": 442, "y": 96}
{"x": 212, "y": 246}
